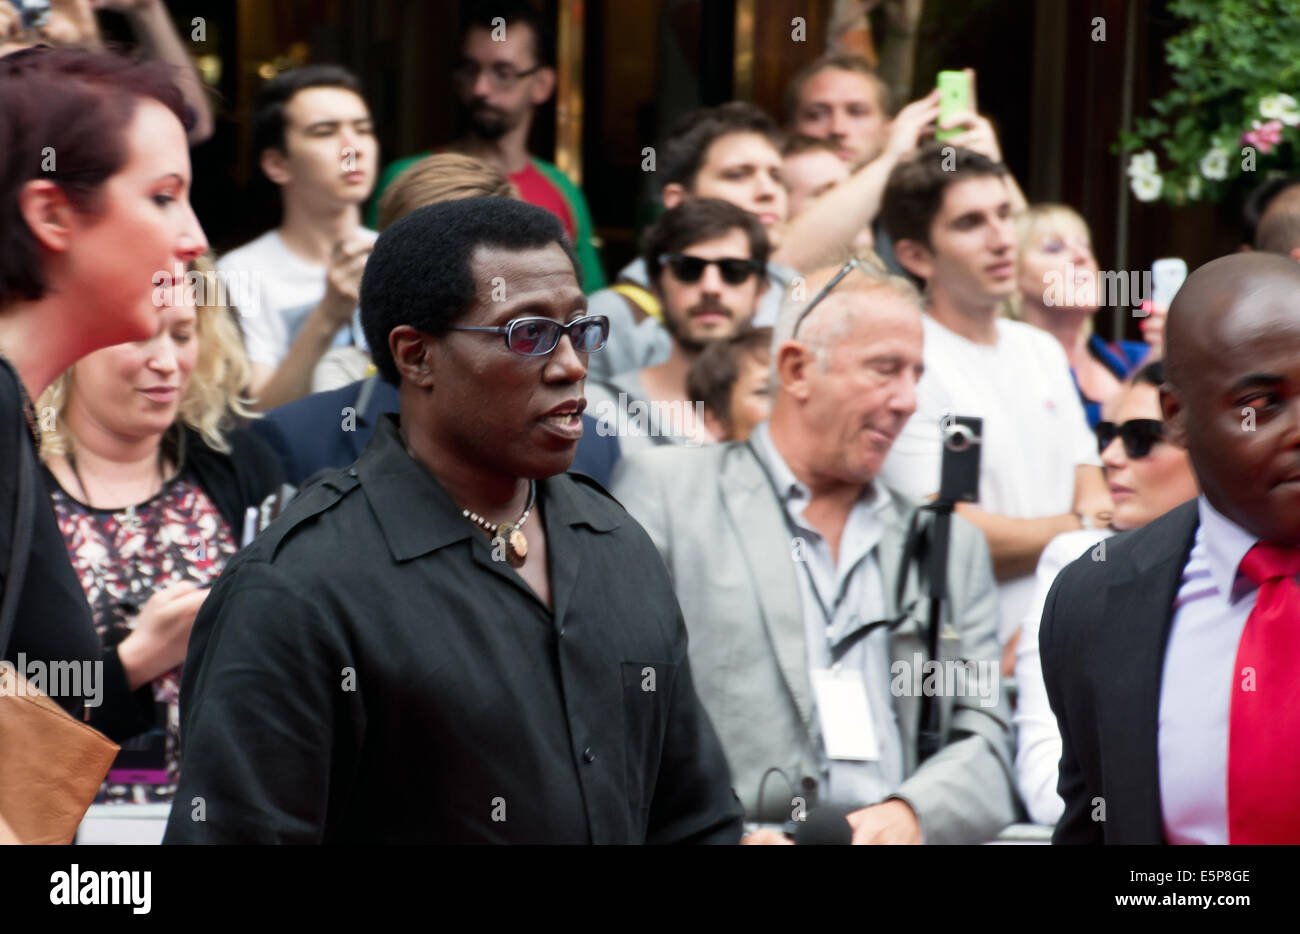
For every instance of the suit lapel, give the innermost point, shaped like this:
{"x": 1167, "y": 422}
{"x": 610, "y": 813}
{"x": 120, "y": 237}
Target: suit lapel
{"x": 756, "y": 515}
{"x": 1139, "y": 609}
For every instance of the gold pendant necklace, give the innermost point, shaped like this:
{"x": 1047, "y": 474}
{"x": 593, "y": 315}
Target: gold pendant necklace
{"x": 508, "y": 532}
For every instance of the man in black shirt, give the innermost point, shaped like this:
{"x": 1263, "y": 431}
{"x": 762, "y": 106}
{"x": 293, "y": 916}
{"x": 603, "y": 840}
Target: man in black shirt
{"x": 452, "y": 640}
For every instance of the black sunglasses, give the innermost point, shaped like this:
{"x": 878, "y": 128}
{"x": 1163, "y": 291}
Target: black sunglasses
{"x": 1138, "y": 435}
{"x": 689, "y": 269}
{"x": 534, "y": 337}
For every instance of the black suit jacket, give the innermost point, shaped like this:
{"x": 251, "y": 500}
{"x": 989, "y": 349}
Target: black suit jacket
{"x": 1103, "y": 636}
{"x": 314, "y": 433}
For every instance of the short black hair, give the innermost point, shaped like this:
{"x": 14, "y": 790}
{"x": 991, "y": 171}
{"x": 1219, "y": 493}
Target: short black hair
{"x": 1257, "y": 202}
{"x": 419, "y": 272}
{"x": 481, "y": 14}
{"x": 697, "y": 220}
{"x": 268, "y": 106}
{"x": 915, "y": 188}
{"x": 1152, "y": 374}
{"x": 686, "y": 146}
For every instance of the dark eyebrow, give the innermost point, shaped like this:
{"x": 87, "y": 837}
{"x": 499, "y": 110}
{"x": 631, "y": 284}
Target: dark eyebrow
{"x": 321, "y": 123}
{"x": 539, "y": 309}
{"x": 1256, "y": 379}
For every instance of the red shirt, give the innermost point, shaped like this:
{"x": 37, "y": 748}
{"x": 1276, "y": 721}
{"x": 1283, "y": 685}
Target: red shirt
{"x": 536, "y": 188}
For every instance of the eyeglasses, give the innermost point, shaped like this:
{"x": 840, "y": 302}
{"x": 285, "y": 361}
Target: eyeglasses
{"x": 689, "y": 269}
{"x": 1138, "y": 435}
{"x": 501, "y": 77}
{"x": 534, "y": 337}
{"x": 826, "y": 290}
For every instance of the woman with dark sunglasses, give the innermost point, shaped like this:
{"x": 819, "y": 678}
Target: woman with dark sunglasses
{"x": 1147, "y": 477}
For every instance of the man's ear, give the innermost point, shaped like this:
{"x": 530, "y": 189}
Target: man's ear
{"x": 1295, "y": 254}
{"x": 543, "y": 86}
{"x": 412, "y": 355}
{"x": 275, "y": 165}
{"x": 915, "y": 258}
{"x": 793, "y": 362}
{"x": 673, "y": 194}
{"x": 1174, "y": 415}
{"x": 48, "y": 213}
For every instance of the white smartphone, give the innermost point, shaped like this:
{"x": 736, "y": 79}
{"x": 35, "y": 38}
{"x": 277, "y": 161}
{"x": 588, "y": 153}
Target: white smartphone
{"x": 1167, "y": 276}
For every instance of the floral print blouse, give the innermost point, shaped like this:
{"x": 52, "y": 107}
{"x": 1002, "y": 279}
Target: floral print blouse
{"x": 121, "y": 557}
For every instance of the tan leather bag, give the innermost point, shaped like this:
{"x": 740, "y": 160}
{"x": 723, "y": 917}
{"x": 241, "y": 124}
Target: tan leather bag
{"x": 51, "y": 764}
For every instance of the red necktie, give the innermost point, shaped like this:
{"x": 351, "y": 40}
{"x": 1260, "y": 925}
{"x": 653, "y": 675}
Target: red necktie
{"x": 1264, "y": 723}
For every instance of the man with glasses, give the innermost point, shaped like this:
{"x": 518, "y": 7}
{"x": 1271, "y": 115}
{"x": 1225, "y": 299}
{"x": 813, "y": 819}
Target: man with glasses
{"x": 504, "y": 75}
{"x": 453, "y": 641}
{"x": 787, "y": 553}
{"x": 730, "y": 152}
{"x": 706, "y": 259}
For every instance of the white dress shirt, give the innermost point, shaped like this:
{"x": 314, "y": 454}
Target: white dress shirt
{"x": 1210, "y": 613}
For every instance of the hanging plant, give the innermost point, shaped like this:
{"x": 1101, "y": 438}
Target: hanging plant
{"x": 1233, "y": 110}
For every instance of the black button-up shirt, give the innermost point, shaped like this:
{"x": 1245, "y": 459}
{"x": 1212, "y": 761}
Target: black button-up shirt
{"x": 365, "y": 672}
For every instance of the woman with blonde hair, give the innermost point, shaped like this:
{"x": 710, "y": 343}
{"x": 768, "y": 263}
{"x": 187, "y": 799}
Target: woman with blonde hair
{"x": 152, "y": 476}
{"x": 1059, "y": 292}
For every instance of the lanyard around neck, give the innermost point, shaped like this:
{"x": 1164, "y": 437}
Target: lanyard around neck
{"x": 841, "y": 648}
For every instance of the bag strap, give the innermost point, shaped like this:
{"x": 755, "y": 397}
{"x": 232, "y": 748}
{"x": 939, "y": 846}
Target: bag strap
{"x": 641, "y": 297}
{"x": 21, "y": 541}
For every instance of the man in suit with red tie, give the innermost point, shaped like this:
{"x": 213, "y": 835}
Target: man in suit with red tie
{"x": 1172, "y": 659}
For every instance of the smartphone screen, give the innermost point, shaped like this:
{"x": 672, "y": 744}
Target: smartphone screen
{"x": 954, "y": 98}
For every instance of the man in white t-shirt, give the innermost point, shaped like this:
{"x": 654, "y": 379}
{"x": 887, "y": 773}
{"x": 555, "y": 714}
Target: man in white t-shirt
{"x": 299, "y": 282}
{"x": 949, "y": 213}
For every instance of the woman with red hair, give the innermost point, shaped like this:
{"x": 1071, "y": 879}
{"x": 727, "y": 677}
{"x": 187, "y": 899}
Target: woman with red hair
{"x": 94, "y": 204}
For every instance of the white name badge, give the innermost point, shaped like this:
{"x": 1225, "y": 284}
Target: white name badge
{"x": 845, "y": 716}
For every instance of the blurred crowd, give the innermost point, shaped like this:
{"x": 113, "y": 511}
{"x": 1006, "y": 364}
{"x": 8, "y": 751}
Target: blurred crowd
{"x": 768, "y": 389}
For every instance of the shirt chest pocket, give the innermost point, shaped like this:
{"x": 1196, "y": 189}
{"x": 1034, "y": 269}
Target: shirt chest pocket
{"x": 647, "y": 694}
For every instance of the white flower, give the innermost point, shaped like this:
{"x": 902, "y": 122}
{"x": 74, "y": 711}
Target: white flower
{"x": 1214, "y": 164}
{"x": 1280, "y": 107}
{"x": 1142, "y": 164}
{"x": 1146, "y": 187}
{"x": 1194, "y": 188}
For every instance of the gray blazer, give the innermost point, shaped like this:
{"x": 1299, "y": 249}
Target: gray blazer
{"x": 720, "y": 529}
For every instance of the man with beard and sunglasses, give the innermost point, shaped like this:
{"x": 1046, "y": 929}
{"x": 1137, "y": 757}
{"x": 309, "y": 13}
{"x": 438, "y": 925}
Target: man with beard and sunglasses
{"x": 454, "y": 640}
{"x": 503, "y": 77}
{"x": 706, "y": 259}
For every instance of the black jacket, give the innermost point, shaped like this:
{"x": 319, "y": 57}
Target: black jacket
{"x": 365, "y": 672}
{"x": 1105, "y": 628}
